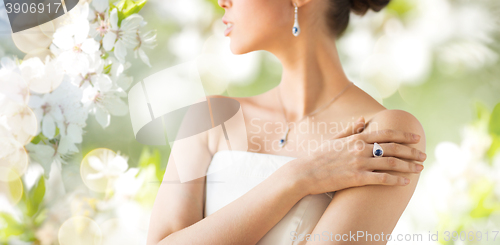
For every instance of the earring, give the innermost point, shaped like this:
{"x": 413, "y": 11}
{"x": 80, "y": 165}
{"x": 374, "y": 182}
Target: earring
{"x": 296, "y": 27}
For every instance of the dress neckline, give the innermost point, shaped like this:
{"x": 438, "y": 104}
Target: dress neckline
{"x": 249, "y": 152}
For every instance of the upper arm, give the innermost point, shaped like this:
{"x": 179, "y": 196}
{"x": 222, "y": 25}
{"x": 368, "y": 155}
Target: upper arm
{"x": 179, "y": 205}
{"x": 373, "y": 209}
{"x": 180, "y": 199}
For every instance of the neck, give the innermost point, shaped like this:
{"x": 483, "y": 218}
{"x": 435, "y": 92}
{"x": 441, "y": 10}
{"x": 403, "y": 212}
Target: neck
{"x": 312, "y": 76}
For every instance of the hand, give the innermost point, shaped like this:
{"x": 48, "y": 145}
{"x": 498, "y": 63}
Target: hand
{"x": 347, "y": 160}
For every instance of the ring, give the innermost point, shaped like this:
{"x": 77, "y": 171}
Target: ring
{"x": 377, "y": 150}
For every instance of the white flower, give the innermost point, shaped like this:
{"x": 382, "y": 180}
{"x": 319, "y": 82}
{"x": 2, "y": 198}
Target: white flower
{"x": 123, "y": 36}
{"x": 48, "y": 113}
{"x": 102, "y": 96}
{"x": 42, "y": 78}
{"x": 12, "y": 153}
{"x": 76, "y": 60}
{"x": 73, "y": 46}
{"x": 45, "y": 155}
{"x": 107, "y": 166}
{"x": 104, "y": 103}
{"x": 128, "y": 184}
{"x": 99, "y": 8}
{"x": 20, "y": 120}
{"x": 130, "y": 225}
{"x": 61, "y": 108}
{"x": 117, "y": 69}
{"x": 94, "y": 76}
{"x": 99, "y": 19}
{"x": 146, "y": 40}
{"x": 12, "y": 85}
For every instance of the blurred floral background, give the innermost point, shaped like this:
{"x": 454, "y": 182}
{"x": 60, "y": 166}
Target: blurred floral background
{"x": 71, "y": 171}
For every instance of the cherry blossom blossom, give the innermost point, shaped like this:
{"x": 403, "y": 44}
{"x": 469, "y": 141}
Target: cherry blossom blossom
{"x": 107, "y": 166}
{"x": 123, "y": 36}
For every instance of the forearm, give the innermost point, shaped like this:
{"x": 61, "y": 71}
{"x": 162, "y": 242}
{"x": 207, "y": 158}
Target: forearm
{"x": 247, "y": 219}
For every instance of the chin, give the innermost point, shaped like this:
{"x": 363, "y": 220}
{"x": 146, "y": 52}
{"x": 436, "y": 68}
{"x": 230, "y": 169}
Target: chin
{"x": 240, "y": 48}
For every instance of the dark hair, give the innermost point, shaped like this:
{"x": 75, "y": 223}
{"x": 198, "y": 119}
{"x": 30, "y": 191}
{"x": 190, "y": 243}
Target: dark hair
{"x": 339, "y": 10}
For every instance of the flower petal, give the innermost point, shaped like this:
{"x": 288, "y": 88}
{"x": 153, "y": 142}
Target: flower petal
{"x": 113, "y": 19}
{"x": 124, "y": 81}
{"x": 48, "y": 127}
{"x": 74, "y": 133}
{"x": 131, "y": 23}
{"x": 115, "y": 105}
{"x": 118, "y": 165}
{"x": 90, "y": 46}
{"x": 102, "y": 117}
{"x": 143, "y": 56}
{"x": 109, "y": 41}
{"x": 100, "y": 5}
{"x": 95, "y": 176}
{"x": 102, "y": 82}
{"x": 67, "y": 146}
{"x": 120, "y": 51}
{"x": 96, "y": 163}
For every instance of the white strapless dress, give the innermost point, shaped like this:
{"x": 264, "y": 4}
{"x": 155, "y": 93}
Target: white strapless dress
{"x": 237, "y": 172}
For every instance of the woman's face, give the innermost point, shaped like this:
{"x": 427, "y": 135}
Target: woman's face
{"x": 258, "y": 24}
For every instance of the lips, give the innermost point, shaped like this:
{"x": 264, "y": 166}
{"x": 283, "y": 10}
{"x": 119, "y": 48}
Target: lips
{"x": 229, "y": 26}
{"x": 228, "y": 29}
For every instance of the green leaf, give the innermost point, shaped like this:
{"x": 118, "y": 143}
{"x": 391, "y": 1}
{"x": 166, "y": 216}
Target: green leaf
{"x": 494, "y": 131}
{"x": 133, "y": 7}
{"x": 10, "y": 227}
{"x": 481, "y": 194}
{"x": 105, "y": 55}
{"x": 38, "y": 138}
{"x": 36, "y": 194}
{"x": 127, "y": 7}
{"x": 38, "y": 191}
{"x": 400, "y": 7}
{"x": 482, "y": 111}
{"x": 494, "y": 148}
{"x": 40, "y": 217}
{"x": 107, "y": 69}
{"x": 494, "y": 125}
{"x": 147, "y": 158}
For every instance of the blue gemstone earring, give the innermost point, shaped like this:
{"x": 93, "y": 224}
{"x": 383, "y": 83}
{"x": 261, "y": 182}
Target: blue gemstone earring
{"x": 296, "y": 27}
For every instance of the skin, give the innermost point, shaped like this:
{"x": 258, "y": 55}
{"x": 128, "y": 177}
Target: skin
{"x": 370, "y": 196}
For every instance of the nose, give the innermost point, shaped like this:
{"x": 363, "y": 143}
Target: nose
{"x": 224, "y": 3}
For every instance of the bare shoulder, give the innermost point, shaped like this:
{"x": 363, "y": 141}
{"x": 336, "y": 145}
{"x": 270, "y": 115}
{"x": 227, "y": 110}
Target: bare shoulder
{"x": 398, "y": 120}
{"x": 397, "y": 117}
{"x": 380, "y": 118}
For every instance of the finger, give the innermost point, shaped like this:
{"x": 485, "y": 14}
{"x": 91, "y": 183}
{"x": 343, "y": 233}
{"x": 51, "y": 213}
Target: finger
{"x": 354, "y": 128}
{"x": 399, "y": 151}
{"x": 375, "y": 178}
{"x": 394, "y": 164}
{"x": 389, "y": 135}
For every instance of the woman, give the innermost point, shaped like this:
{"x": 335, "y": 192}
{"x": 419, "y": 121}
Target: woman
{"x": 289, "y": 204}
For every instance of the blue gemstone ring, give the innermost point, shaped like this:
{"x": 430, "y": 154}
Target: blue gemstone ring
{"x": 377, "y": 150}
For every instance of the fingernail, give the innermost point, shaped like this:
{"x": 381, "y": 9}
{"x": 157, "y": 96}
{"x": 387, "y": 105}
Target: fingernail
{"x": 422, "y": 156}
{"x": 416, "y": 136}
{"x": 407, "y": 181}
{"x": 359, "y": 119}
{"x": 419, "y": 167}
